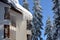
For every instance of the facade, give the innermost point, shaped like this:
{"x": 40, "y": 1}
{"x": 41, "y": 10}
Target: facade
{"x": 29, "y": 26}
{"x": 56, "y": 9}
{"x": 13, "y": 21}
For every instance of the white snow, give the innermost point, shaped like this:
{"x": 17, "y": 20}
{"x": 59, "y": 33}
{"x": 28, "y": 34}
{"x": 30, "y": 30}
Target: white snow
{"x": 26, "y": 13}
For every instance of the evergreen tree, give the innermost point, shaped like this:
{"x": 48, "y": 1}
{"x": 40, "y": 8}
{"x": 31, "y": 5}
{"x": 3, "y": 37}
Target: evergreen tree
{"x": 25, "y": 4}
{"x": 56, "y": 9}
{"x": 37, "y": 21}
{"x": 48, "y": 29}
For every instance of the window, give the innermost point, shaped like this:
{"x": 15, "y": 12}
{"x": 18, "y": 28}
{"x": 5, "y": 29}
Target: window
{"x": 6, "y": 15}
{"x": 13, "y": 21}
{"x": 29, "y": 37}
{"x": 6, "y": 31}
{"x": 29, "y": 26}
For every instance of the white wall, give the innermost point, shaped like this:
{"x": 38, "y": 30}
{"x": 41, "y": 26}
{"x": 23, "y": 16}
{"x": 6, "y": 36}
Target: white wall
{"x": 20, "y": 26}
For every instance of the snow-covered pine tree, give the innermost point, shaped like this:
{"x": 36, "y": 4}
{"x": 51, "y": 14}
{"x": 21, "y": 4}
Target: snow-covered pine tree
{"x": 48, "y": 29}
{"x": 37, "y": 20}
{"x": 56, "y": 9}
{"x": 25, "y": 4}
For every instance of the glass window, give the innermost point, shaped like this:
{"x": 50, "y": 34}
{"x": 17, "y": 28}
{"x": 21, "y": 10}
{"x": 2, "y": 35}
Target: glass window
{"x": 13, "y": 21}
{"x": 6, "y": 15}
{"x": 29, "y": 37}
{"x": 6, "y": 31}
{"x": 29, "y": 26}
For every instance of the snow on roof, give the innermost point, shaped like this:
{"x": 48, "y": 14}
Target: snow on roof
{"x": 26, "y": 14}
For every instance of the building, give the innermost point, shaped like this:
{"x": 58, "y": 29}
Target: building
{"x": 13, "y": 21}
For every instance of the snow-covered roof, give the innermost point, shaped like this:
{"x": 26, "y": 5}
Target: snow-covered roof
{"x": 26, "y": 14}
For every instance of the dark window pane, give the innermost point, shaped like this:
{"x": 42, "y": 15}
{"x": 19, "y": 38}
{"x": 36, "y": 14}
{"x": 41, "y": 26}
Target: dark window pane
{"x": 6, "y": 31}
{"x": 29, "y": 37}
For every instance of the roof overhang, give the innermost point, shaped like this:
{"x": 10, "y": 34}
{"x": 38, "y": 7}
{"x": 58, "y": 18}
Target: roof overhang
{"x": 26, "y": 14}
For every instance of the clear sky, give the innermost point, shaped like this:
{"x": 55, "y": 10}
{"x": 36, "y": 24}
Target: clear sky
{"x": 47, "y": 6}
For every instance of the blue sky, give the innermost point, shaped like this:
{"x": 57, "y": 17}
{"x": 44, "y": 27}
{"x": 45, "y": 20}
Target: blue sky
{"x": 47, "y": 11}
